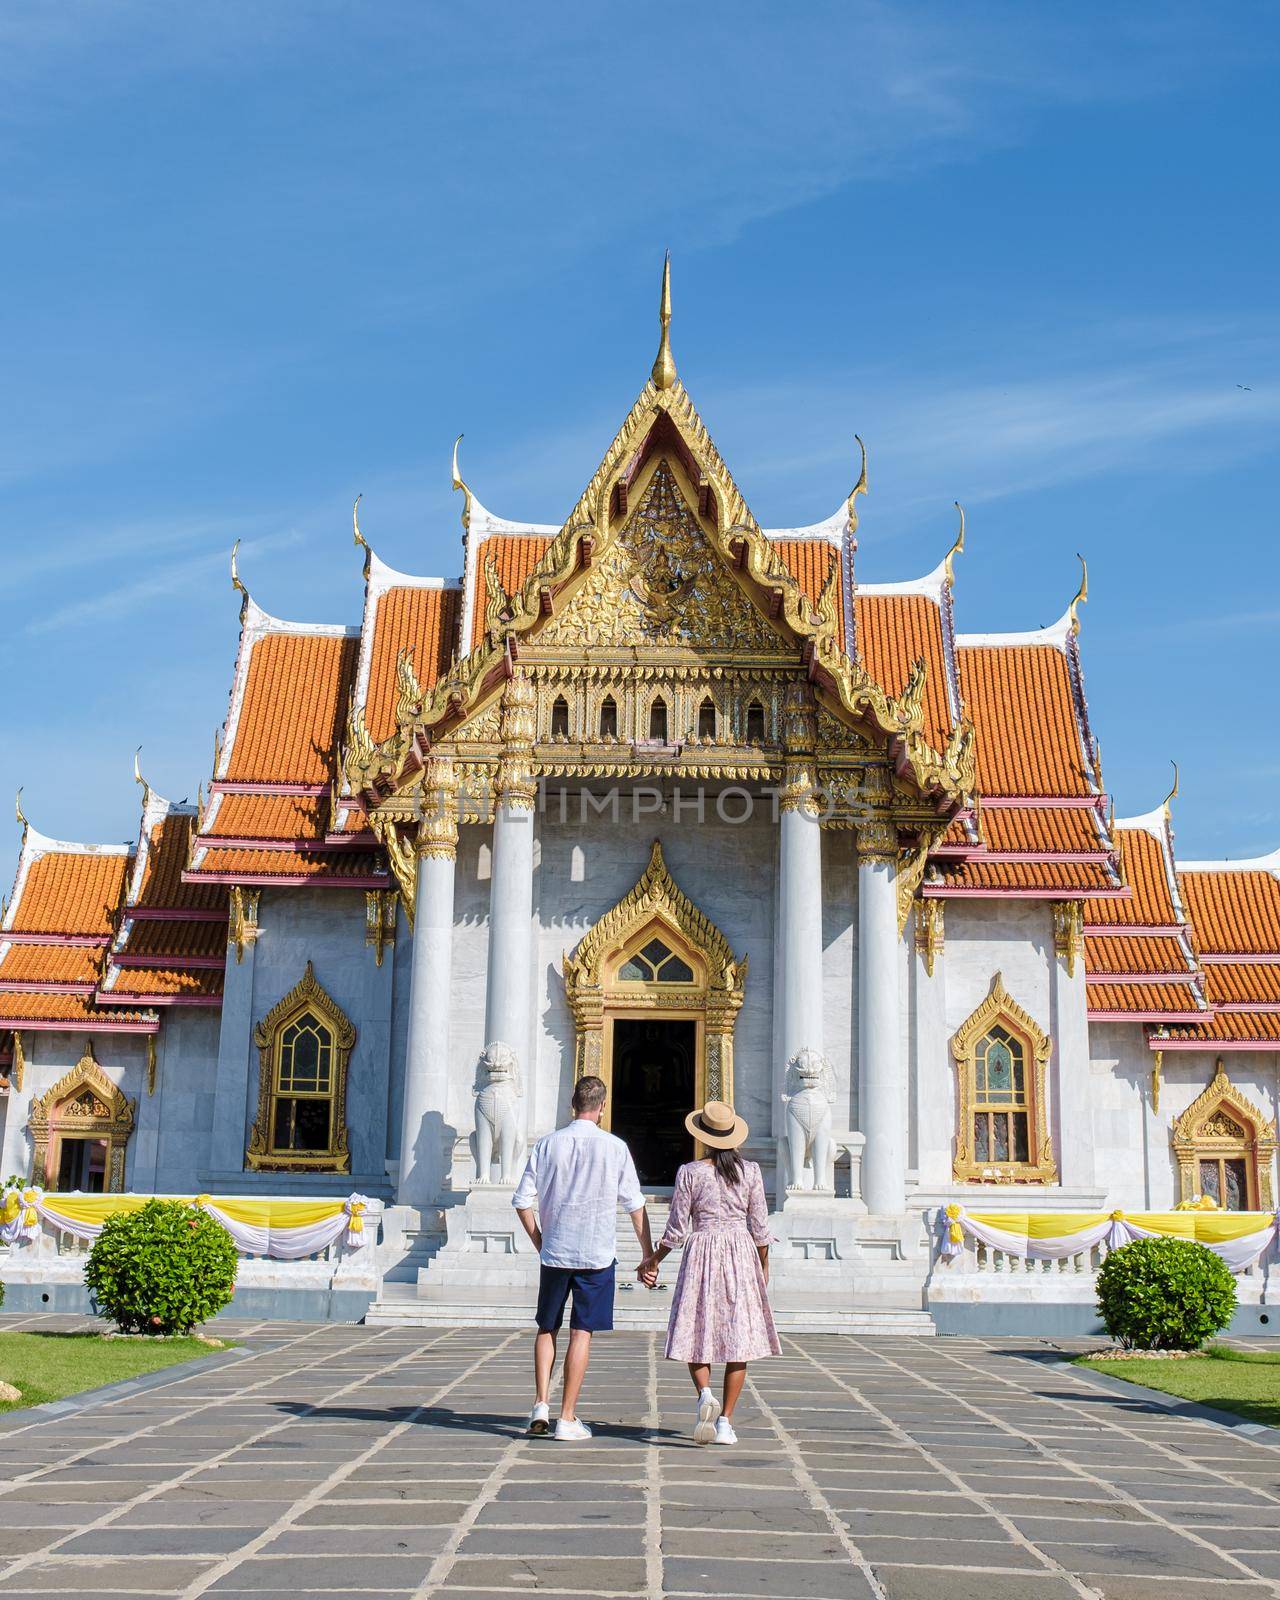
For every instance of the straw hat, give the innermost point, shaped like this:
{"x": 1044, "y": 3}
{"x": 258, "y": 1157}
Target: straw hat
{"x": 717, "y": 1125}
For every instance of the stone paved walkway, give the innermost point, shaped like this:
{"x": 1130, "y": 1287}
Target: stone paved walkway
{"x": 342, "y": 1461}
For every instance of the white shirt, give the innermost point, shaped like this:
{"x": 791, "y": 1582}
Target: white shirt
{"x": 578, "y": 1176}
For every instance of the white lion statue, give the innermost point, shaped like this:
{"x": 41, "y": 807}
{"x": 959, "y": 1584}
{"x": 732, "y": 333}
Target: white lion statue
{"x": 810, "y": 1091}
{"x": 497, "y": 1114}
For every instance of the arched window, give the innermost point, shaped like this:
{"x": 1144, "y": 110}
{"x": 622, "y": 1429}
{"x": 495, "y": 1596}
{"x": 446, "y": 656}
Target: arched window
{"x": 1001, "y": 1059}
{"x": 304, "y": 1045}
{"x": 560, "y": 718}
{"x": 1225, "y": 1148}
{"x": 658, "y": 721}
{"x": 707, "y": 719}
{"x": 755, "y": 723}
{"x": 655, "y": 963}
{"x": 608, "y": 718}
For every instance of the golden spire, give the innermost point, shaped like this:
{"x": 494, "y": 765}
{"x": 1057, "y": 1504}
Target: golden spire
{"x": 1173, "y": 793}
{"x": 459, "y": 483}
{"x": 859, "y": 488}
{"x": 1081, "y": 594}
{"x": 664, "y": 367}
{"x": 957, "y": 549}
{"x": 235, "y": 580}
{"x": 361, "y": 542}
{"x": 138, "y": 778}
{"x": 17, "y": 806}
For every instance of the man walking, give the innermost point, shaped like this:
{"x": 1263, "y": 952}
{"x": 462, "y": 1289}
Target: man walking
{"x": 576, "y": 1177}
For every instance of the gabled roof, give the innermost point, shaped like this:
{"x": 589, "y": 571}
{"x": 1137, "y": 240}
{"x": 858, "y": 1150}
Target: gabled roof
{"x": 402, "y": 612}
{"x": 898, "y": 624}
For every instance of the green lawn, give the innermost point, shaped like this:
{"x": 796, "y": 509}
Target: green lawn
{"x": 1246, "y": 1382}
{"x": 50, "y": 1366}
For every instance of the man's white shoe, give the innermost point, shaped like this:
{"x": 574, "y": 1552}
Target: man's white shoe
{"x": 724, "y": 1432}
{"x": 571, "y": 1428}
{"x": 708, "y": 1410}
{"x": 540, "y": 1418}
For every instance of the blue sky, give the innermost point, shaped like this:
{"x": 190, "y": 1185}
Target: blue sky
{"x": 260, "y": 259}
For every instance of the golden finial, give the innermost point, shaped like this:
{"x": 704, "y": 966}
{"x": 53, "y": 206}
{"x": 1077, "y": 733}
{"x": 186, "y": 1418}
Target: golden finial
{"x": 361, "y": 542}
{"x": 235, "y": 580}
{"x": 17, "y": 806}
{"x": 459, "y": 483}
{"x": 1111, "y": 819}
{"x": 1173, "y": 793}
{"x": 664, "y": 367}
{"x": 1081, "y": 594}
{"x": 859, "y": 488}
{"x": 957, "y": 549}
{"x": 138, "y": 778}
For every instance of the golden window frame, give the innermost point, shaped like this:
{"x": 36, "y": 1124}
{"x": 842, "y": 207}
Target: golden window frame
{"x": 1000, "y": 1009}
{"x": 656, "y": 908}
{"x": 104, "y": 1112}
{"x": 308, "y": 995}
{"x": 1201, "y": 1133}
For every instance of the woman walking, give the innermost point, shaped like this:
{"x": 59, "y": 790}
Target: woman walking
{"x": 720, "y": 1311}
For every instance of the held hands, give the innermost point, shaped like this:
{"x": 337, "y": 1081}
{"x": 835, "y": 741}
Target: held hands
{"x": 647, "y": 1271}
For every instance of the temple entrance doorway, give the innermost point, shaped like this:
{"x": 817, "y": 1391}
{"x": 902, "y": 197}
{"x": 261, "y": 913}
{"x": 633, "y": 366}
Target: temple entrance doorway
{"x": 654, "y": 1075}
{"x": 82, "y": 1165}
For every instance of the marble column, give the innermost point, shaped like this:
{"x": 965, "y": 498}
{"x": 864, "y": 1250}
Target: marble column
{"x": 507, "y": 995}
{"x": 882, "y": 1076}
{"x": 424, "y": 1157}
{"x": 799, "y": 930}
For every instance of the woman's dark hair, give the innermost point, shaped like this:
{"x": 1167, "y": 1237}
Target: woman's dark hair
{"x": 728, "y": 1164}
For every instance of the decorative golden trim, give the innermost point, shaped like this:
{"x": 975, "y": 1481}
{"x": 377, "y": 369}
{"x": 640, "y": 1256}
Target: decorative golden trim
{"x": 19, "y": 1061}
{"x": 308, "y": 995}
{"x": 910, "y": 874}
{"x": 380, "y": 921}
{"x": 1157, "y": 1070}
{"x": 1068, "y": 932}
{"x": 151, "y": 1063}
{"x": 957, "y": 549}
{"x": 1081, "y": 595}
{"x": 1205, "y": 1130}
{"x": 664, "y": 366}
{"x": 930, "y": 931}
{"x": 515, "y": 784}
{"x": 1000, "y": 1007}
{"x": 242, "y": 926}
{"x": 876, "y": 840}
{"x": 84, "y": 1104}
{"x": 657, "y": 905}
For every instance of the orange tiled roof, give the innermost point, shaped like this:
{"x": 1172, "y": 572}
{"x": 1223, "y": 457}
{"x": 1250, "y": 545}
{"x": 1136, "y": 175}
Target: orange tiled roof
{"x": 1072, "y": 878}
{"x": 1230, "y": 983}
{"x": 409, "y": 617}
{"x": 1233, "y": 912}
{"x": 250, "y": 866}
{"x": 893, "y": 631}
{"x": 162, "y": 887}
{"x": 1020, "y": 700}
{"x": 1156, "y": 955}
{"x": 293, "y": 709}
{"x": 177, "y": 939}
{"x": 20, "y": 1010}
{"x": 811, "y": 563}
{"x": 1143, "y": 862}
{"x": 1252, "y": 1029}
{"x": 266, "y": 816}
{"x": 50, "y": 963}
{"x": 1042, "y": 830}
{"x": 70, "y": 892}
{"x": 1141, "y": 1000}
{"x": 157, "y": 983}
{"x": 514, "y": 556}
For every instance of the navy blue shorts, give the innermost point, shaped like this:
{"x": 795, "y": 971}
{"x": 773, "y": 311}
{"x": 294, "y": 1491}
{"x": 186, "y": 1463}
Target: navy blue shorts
{"x": 592, "y": 1291}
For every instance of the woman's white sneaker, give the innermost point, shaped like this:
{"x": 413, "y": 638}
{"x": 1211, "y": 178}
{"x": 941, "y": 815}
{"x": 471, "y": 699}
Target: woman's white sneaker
{"x": 540, "y": 1418}
{"x": 708, "y": 1410}
{"x": 724, "y": 1432}
{"x": 571, "y": 1428}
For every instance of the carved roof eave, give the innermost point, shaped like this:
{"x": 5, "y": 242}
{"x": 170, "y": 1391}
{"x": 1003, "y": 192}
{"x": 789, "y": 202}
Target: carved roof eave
{"x": 947, "y": 776}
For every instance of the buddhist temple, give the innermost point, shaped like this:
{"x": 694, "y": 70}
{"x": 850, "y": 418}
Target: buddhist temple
{"x": 660, "y": 794}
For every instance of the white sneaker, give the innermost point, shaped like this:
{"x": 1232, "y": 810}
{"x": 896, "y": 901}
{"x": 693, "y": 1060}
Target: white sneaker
{"x": 571, "y": 1428}
{"x": 540, "y": 1418}
{"x": 724, "y": 1432}
{"x": 708, "y": 1410}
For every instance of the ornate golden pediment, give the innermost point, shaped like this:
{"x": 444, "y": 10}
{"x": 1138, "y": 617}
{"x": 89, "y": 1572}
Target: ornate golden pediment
{"x": 83, "y": 1104}
{"x": 1223, "y": 1123}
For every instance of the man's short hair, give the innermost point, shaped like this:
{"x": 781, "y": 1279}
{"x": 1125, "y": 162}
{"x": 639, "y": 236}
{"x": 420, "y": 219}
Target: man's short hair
{"x": 588, "y": 1094}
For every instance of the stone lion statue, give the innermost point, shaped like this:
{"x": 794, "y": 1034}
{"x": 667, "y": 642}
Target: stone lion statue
{"x": 810, "y": 1090}
{"x": 498, "y": 1128}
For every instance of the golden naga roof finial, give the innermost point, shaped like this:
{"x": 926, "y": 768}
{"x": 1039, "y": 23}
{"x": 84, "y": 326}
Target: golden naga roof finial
{"x": 17, "y": 806}
{"x": 138, "y": 778}
{"x": 1081, "y": 594}
{"x": 859, "y": 488}
{"x": 460, "y": 483}
{"x": 957, "y": 549}
{"x": 664, "y": 367}
{"x": 361, "y": 542}
{"x": 1173, "y": 793}
{"x": 235, "y": 580}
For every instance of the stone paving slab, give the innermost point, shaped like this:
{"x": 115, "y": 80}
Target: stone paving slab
{"x": 330, "y": 1461}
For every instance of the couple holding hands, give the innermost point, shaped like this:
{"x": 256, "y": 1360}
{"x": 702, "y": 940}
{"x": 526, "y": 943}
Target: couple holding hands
{"x": 567, "y": 1201}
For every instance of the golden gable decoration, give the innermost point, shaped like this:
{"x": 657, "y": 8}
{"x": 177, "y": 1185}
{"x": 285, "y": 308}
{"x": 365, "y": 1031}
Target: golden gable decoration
{"x": 84, "y": 1104}
{"x": 1222, "y": 1125}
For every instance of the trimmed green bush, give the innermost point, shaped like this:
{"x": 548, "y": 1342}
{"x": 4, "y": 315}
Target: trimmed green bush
{"x": 164, "y": 1268}
{"x": 1165, "y": 1294}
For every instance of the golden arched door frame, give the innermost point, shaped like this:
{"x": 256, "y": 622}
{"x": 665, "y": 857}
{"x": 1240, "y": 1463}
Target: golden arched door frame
{"x": 1223, "y": 1125}
{"x": 597, "y": 992}
{"x": 85, "y": 1104}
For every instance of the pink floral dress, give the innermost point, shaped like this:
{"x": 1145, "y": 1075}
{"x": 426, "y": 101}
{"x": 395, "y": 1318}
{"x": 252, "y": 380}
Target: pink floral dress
{"x": 721, "y": 1307}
